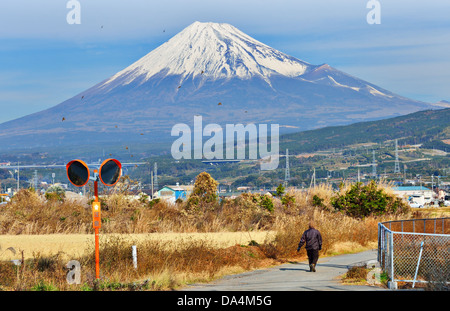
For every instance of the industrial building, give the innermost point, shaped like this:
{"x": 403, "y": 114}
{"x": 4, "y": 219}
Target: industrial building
{"x": 418, "y": 194}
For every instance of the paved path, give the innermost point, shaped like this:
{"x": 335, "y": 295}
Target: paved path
{"x": 294, "y": 277}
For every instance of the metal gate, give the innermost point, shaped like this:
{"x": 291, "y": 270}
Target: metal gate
{"x": 416, "y": 250}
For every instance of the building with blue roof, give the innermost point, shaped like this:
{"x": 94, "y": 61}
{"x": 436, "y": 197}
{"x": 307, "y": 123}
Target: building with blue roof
{"x": 173, "y": 193}
{"x": 418, "y": 194}
{"x": 411, "y": 188}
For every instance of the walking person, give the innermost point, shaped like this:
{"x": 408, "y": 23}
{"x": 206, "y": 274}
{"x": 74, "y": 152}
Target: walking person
{"x": 313, "y": 240}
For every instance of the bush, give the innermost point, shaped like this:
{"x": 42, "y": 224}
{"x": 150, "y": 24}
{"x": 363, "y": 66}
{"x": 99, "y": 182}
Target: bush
{"x": 365, "y": 200}
{"x": 151, "y": 203}
{"x": 266, "y": 203}
{"x": 44, "y": 287}
{"x": 357, "y": 273}
{"x": 288, "y": 200}
{"x": 280, "y": 190}
{"x": 317, "y": 201}
{"x": 26, "y": 198}
{"x": 255, "y": 201}
{"x": 55, "y": 193}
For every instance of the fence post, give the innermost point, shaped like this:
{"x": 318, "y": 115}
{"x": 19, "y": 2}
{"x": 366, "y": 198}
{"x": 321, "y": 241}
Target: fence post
{"x": 379, "y": 243}
{"x": 386, "y": 249}
{"x": 134, "y": 254}
{"x": 391, "y": 249}
{"x": 418, "y": 263}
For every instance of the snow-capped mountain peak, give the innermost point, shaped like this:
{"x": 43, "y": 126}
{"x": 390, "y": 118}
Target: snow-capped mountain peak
{"x": 213, "y": 70}
{"x": 212, "y": 50}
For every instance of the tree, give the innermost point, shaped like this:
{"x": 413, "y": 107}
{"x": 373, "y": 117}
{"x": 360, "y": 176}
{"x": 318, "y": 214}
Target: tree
{"x": 205, "y": 187}
{"x": 364, "y": 200}
{"x": 205, "y": 190}
{"x": 280, "y": 190}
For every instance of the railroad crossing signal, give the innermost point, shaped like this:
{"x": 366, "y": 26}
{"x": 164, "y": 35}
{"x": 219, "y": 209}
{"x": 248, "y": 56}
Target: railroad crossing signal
{"x": 108, "y": 173}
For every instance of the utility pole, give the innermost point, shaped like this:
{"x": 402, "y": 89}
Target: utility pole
{"x": 397, "y": 163}
{"x": 313, "y": 179}
{"x": 35, "y": 180}
{"x": 155, "y": 172}
{"x": 374, "y": 164}
{"x": 151, "y": 177}
{"x": 18, "y": 176}
{"x": 287, "y": 174}
{"x": 404, "y": 170}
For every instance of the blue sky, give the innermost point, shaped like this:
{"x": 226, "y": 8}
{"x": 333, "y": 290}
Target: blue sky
{"x": 44, "y": 60}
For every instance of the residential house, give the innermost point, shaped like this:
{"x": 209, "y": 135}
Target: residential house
{"x": 173, "y": 193}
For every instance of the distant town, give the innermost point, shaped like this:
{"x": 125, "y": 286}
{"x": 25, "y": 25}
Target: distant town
{"x": 170, "y": 182}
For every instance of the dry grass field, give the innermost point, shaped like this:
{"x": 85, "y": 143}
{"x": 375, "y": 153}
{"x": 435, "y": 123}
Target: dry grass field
{"x": 433, "y": 212}
{"x": 176, "y": 244}
{"x": 76, "y": 245}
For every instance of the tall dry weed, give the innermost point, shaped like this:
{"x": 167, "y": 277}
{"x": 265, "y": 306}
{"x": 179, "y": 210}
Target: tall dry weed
{"x": 29, "y": 213}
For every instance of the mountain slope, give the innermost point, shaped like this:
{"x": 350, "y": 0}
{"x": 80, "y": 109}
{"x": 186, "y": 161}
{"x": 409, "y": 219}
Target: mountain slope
{"x": 213, "y": 70}
{"x": 420, "y": 127}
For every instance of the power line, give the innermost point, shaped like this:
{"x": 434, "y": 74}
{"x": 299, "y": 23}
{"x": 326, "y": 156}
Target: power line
{"x": 35, "y": 180}
{"x": 313, "y": 180}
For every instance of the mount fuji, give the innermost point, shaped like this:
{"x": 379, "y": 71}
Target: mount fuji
{"x": 213, "y": 70}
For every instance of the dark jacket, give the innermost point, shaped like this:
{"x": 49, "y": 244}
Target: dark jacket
{"x": 312, "y": 238}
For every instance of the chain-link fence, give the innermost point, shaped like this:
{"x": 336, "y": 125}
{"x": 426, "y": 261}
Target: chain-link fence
{"x": 416, "y": 250}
